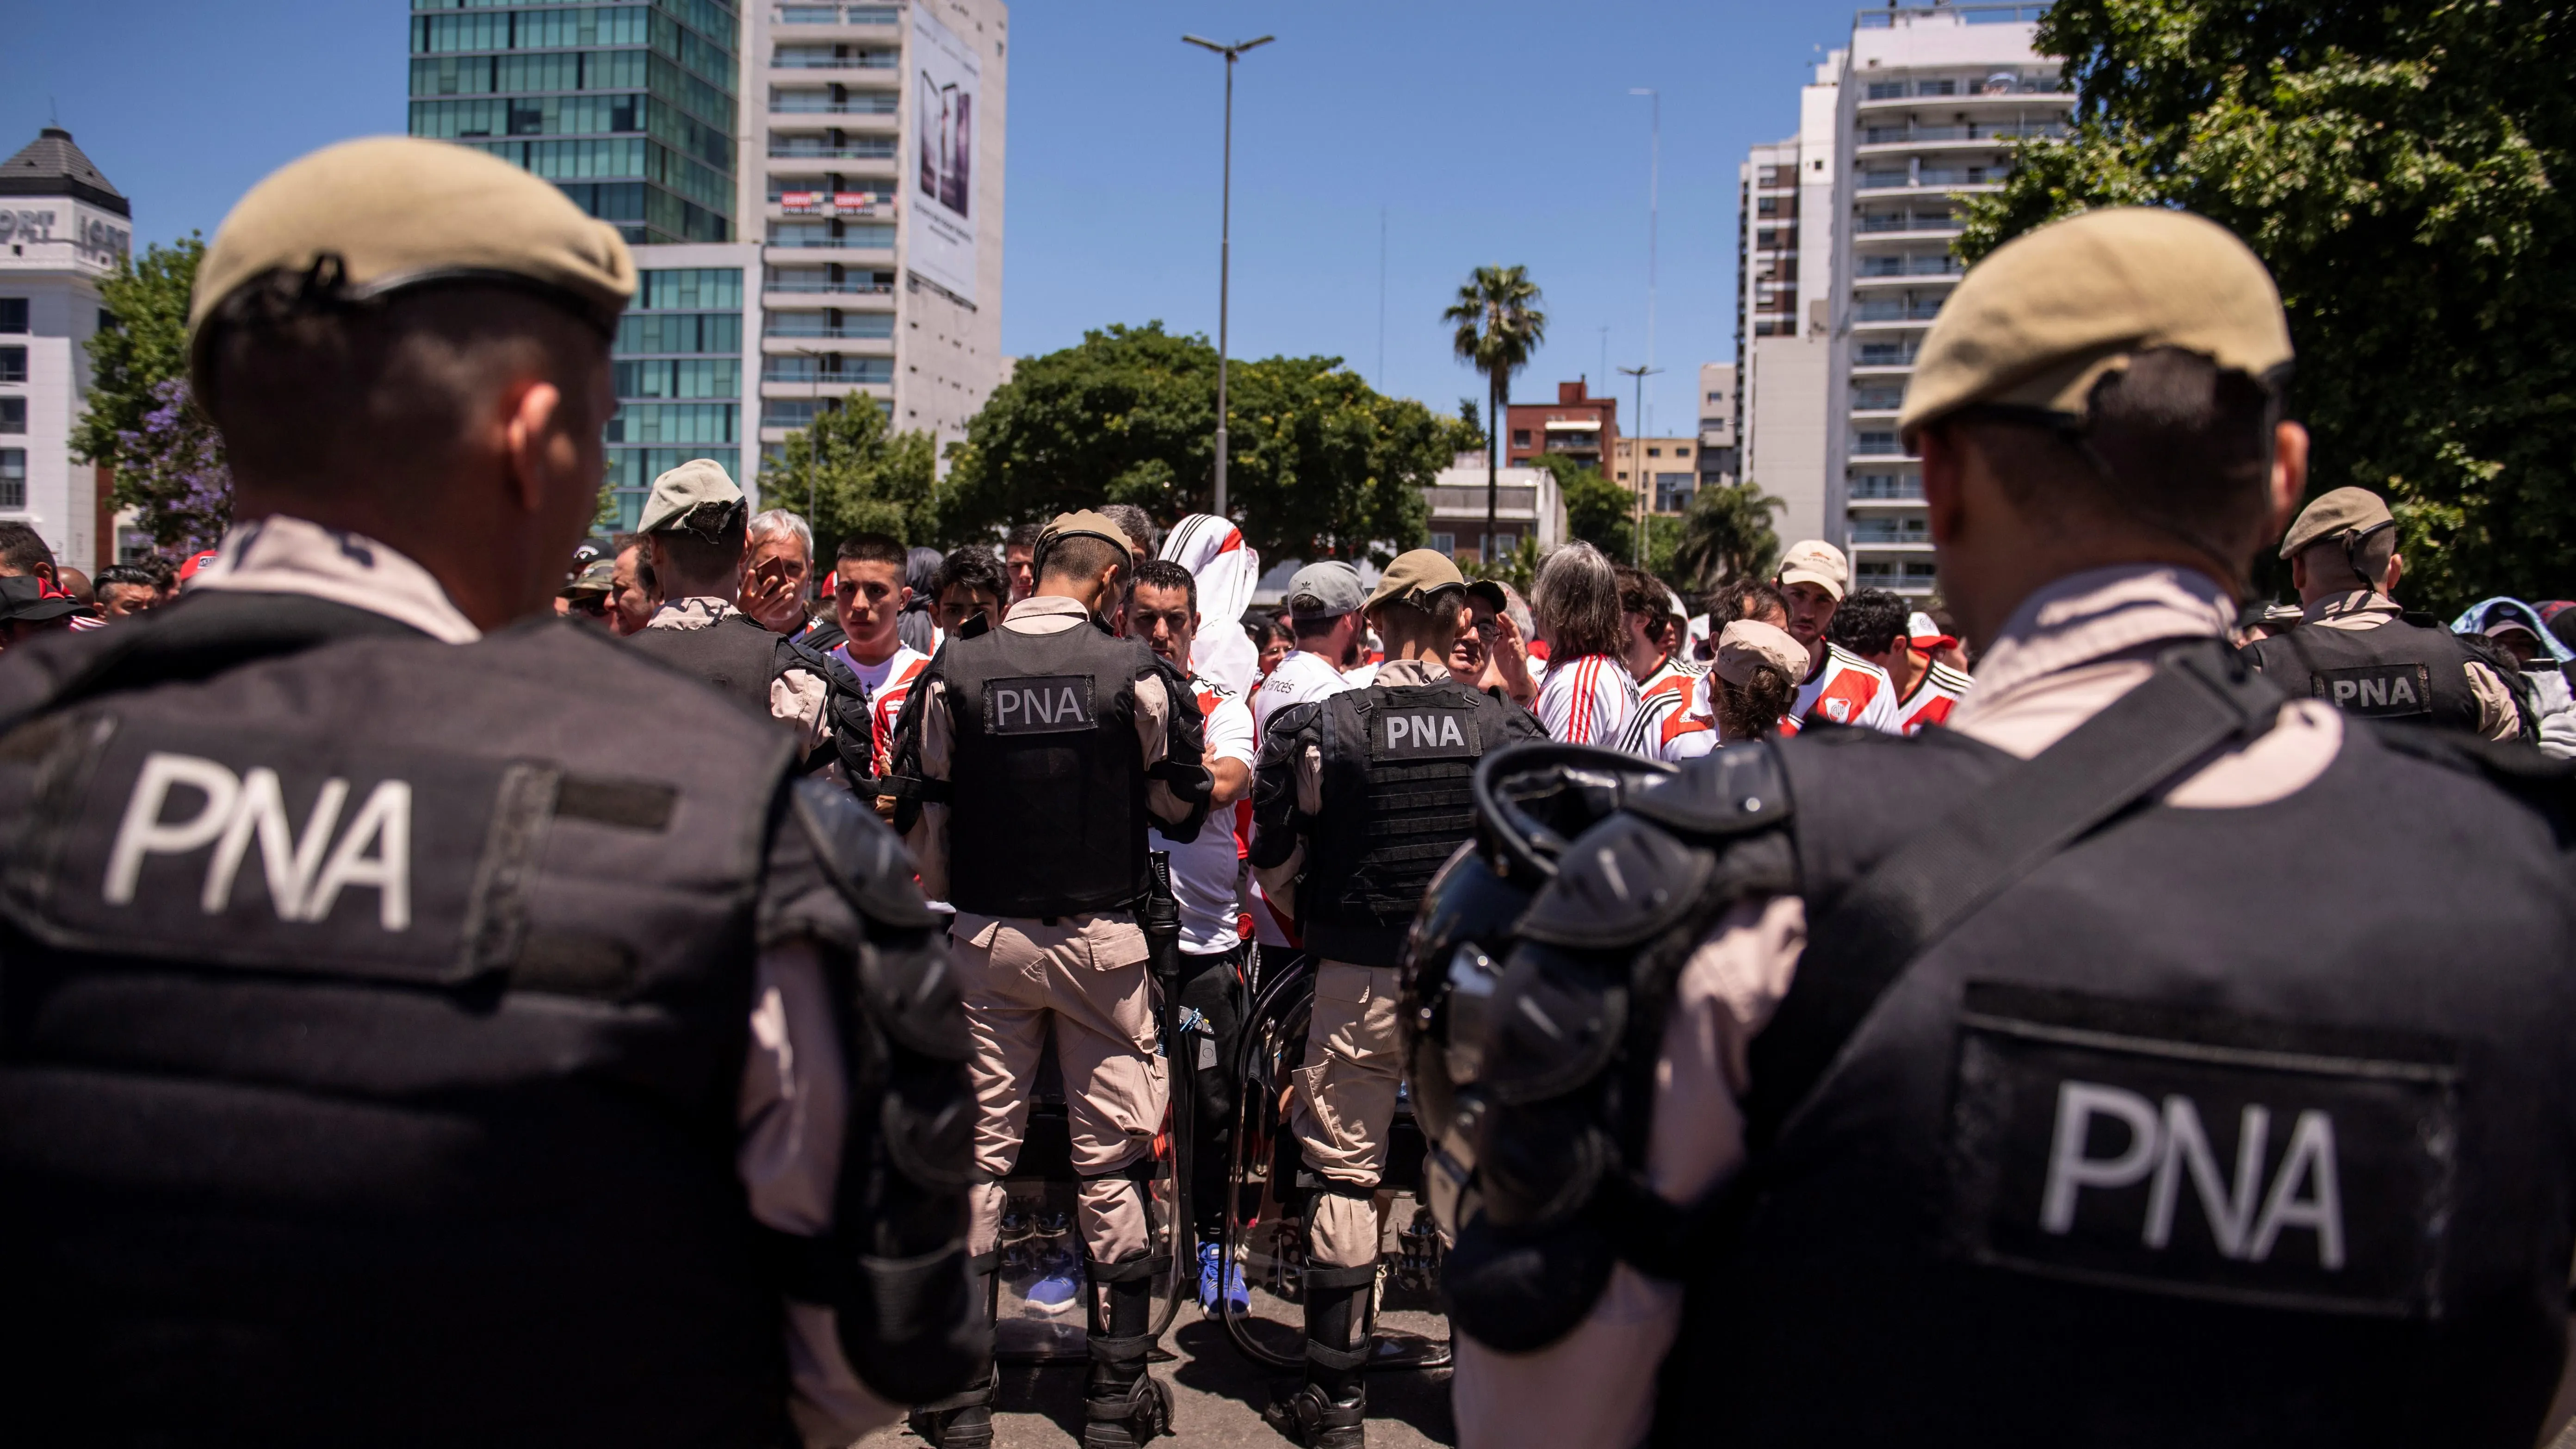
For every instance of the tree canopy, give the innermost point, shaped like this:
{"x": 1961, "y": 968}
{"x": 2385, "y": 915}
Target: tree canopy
{"x": 140, "y": 420}
{"x": 2402, "y": 169}
{"x": 1323, "y": 464}
{"x": 863, "y": 477}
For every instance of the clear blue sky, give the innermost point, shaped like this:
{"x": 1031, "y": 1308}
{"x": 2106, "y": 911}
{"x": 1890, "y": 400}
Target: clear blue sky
{"x": 1482, "y": 132}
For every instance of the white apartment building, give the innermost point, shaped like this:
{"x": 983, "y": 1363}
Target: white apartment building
{"x": 63, "y": 227}
{"x": 1931, "y": 104}
{"x": 871, "y": 166}
{"x": 1847, "y": 260}
{"x": 1720, "y": 463}
{"x": 1784, "y": 290}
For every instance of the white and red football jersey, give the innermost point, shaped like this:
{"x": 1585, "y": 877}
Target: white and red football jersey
{"x": 1849, "y": 690}
{"x": 1662, "y": 696}
{"x": 1207, "y": 872}
{"x": 888, "y": 682}
{"x": 1587, "y": 700}
{"x": 1935, "y": 695}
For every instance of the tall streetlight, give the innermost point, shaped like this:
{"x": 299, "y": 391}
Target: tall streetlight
{"x": 814, "y": 389}
{"x": 1225, "y": 245}
{"x": 1637, "y": 454}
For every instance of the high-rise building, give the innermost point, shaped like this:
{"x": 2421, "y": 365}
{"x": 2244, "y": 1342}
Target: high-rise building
{"x": 1783, "y": 330}
{"x": 1720, "y": 463}
{"x": 814, "y": 192}
{"x": 1846, "y": 231}
{"x": 63, "y": 227}
{"x": 631, "y": 109}
{"x": 1931, "y": 105}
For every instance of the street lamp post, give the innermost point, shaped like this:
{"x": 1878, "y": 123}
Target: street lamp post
{"x": 1225, "y": 246}
{"x": 1637, "y": 454}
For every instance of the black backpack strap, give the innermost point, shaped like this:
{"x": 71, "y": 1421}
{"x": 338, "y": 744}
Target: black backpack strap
{"x": 2200, "y": 698}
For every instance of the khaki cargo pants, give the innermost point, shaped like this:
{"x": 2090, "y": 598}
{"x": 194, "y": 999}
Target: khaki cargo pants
{"x": 1343, "y": 1104}
{"x": 1083, "y": 978}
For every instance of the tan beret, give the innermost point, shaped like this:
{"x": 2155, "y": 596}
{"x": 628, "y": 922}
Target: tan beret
{"x": 397, "y": 211}
{"x": 1082, "y": 522}
{"x": 2332, "y": 515}
{"x": 2039, "y": 322}
{"x": 694, "y": 484}
{"x": 1749, "y": 643}
{"x": 1415, "y": 576}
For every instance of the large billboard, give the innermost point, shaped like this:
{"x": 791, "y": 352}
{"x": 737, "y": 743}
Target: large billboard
{"x": 946, "y": 74}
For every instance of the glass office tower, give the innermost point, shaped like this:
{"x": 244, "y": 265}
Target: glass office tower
{"x": 629, "y": 108}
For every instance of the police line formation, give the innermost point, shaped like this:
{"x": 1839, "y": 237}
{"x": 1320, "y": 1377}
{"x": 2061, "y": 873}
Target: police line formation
{"x": 427, "y": 1020}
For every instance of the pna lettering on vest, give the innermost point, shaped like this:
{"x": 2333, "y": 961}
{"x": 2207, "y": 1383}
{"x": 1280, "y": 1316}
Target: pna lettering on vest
{"x": 305, "y": 871}
{"x": 1038, "y": 704}
{"x": 1424, "y": 734}
{"x": 2379, "y": 690}
{"x": 2199, "y": 1154}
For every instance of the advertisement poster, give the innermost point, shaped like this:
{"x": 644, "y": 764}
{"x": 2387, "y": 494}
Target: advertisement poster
{"x": 946, "y": 71}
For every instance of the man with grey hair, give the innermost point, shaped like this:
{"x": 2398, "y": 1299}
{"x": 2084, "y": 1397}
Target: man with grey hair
{"x": 778, "y": 586}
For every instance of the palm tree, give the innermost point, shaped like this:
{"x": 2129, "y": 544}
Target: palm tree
{"x": 1727, "y": 534}
{"x": 1499, "y": 326}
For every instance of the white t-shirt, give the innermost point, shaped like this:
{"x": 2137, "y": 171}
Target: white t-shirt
{"x": 1207, "y": 871}
{"x": 1300, "y": 677}
{"x": 1587, "y": 700}
{"x": 888, "y": 682}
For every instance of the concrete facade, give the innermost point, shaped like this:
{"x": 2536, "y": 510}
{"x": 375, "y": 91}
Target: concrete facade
{"x": 63, "y": 229}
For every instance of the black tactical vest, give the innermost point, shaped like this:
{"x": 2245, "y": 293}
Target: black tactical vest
{"x": 2222, "y": 1127}
{"x": 372, "y": 1038}
{"x": 1047, "y": 782}
{"x": 2407, "y": 669}
{"x": 1397, "y": 764}
{"x": 736, "y": 656}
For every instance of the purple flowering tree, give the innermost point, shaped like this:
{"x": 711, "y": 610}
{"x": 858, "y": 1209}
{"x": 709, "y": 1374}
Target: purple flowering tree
{"x": 172, "y": 472}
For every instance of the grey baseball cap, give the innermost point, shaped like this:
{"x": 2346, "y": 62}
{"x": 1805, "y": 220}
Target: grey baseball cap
{"x": 1322, "y": 590}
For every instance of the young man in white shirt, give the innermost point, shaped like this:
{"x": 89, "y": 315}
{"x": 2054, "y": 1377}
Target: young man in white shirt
{"x": 1324, "y": 612}
{"x": 1207, "y": 876}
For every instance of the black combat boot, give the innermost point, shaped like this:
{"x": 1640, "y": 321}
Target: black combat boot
{"x": 1126, "y": 1405}
{"x": 965, "y": 1420}
{"x": 1329, "y": 1410}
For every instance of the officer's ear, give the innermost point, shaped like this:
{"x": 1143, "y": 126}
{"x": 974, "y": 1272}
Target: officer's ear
{"x": 2396, "y": 571}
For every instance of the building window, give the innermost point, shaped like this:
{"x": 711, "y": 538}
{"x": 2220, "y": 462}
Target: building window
{"x": 13, "y": 415}
{"x": 1520, "y": 437}
{"x": 13, "y": 478}
{"x": 1681, "y": 452}
{"x": 13, "y": 364}
{"x": 1505, "y": 542}
{"x": 13, "y": 314}
{"x": 1444, "y": 543}
{"x": 1654, "y": 452}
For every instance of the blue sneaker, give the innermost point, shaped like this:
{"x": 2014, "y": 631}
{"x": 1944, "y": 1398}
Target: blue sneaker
{"x": 1056, "y": 1291}
{"x": 1210, "y": 1255}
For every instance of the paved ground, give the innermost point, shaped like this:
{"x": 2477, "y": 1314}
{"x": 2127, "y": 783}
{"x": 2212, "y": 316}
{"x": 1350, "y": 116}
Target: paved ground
{"x": 1216, "y": 1394}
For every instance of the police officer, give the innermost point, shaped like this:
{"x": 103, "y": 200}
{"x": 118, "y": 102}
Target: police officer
{"x": 429, "y": 1023}
{"x": 2102, "y": 1073}
{"x": 2355, "y": 648}
{"x": 695, "y": 527}
{"x": 1358, "y": 799}
{"x": 1043, "y": 751}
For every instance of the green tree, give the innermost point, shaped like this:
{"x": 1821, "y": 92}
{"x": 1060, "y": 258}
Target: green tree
{"x": 1322, "y": 464}
{"x": 1499, "y": 326}
{"x": 1597, "y": 511}
{"x": 1725, "y": 534}
{"x": 2403, "y": 170}
{"x": 141, "y": 343}
{"x": 862, "y": 477}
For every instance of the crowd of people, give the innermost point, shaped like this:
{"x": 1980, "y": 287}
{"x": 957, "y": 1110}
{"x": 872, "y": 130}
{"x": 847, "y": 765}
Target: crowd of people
{"x": 628, "y": 1025}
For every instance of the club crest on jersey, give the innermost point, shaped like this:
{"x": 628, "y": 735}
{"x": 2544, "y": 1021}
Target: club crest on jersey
{"x": 1838, "y": 710}
{"x": 306, "y": 870}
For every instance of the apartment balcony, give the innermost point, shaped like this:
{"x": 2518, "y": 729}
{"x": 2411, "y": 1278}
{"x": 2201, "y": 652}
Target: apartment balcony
{"x": 1941, "y": 267}
{"x": 1974, "y": 135}
{"x": 1896, "y": 495}
{"x": 806, "y": 15}
{"x": 817, "y": 103}
{"x": 1895, "y": 311}
{"x": 1879, "y": 443}
{"x": 1907, "y": 226}
{"x": 789, "y": 57}
{"x": 798, "y": 288}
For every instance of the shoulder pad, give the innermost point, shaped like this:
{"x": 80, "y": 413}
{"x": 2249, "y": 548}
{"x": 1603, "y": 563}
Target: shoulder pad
{"x": 1622, "y": 883}
{"x": 2537, "y": 780}
{"x": 1292, "y": 720}
{"x": 1725, "y": 792}
{"x": 864, "y": 859}
{"x": 1533, "y": 798}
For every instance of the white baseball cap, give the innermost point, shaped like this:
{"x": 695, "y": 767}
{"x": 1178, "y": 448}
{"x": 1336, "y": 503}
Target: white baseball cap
{"x": 1814, "y": 561}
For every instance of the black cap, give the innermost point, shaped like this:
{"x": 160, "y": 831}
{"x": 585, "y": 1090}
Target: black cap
{"x": 23, "y": 596}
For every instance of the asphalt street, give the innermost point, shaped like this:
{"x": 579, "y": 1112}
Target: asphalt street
{"x": 1217, "y": 1396}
